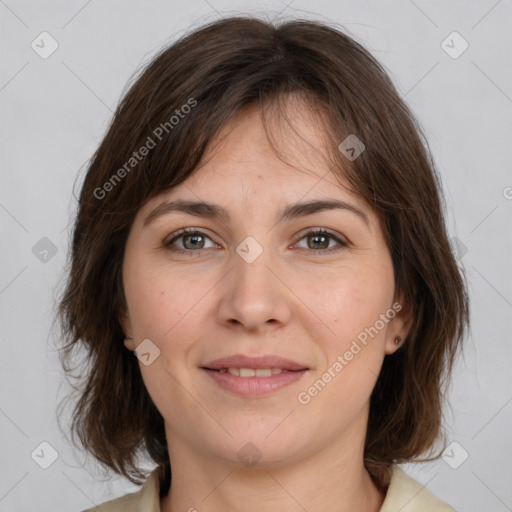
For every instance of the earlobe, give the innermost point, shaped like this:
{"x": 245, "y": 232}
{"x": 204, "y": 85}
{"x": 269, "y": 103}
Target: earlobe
{"x": 129, "y": 343}
{"x": 394, "y": 344}
{"x": 399, "y": 329}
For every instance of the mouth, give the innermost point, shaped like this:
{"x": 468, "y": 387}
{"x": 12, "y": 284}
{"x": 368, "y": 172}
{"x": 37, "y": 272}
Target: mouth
{"x": 251, "y": 372}
{"x": 254, "y": 376}
{"x": 249, "y": 382}
{"x": 243, "y": 362}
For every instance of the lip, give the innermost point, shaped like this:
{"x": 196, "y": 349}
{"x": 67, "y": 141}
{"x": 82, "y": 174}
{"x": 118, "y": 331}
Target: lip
{"x": 254, "y": 386}
{"x": 243, "y": 361}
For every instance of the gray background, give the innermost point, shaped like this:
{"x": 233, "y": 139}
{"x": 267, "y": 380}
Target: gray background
{"x": 54, "y": 112}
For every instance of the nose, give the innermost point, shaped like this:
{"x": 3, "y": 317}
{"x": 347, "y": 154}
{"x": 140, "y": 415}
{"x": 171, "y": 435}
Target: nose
{"x": 254, "y": 295}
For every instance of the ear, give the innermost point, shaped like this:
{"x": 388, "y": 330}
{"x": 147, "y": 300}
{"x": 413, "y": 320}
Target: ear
{"x": 126, "y": 324}
{"x": 399, "y": 325}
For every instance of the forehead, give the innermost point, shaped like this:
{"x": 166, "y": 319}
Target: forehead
{"x": 263, "y": 150}
{"x": 286, "y": 127}
{"x": 263, "y": 160}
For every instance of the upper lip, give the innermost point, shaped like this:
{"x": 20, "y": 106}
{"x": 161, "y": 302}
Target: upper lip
{"x": 243, "y": 361}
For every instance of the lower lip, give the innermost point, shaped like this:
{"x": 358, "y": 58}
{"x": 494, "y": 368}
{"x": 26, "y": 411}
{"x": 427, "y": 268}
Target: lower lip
{"x": 255, "y": 386}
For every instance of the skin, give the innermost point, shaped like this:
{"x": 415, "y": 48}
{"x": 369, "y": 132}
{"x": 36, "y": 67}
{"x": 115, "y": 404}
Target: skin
{"x": 294, "y": 300}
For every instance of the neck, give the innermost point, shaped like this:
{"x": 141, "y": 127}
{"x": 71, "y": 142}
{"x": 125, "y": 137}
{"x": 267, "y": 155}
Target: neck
{"x": 333, "y": 479}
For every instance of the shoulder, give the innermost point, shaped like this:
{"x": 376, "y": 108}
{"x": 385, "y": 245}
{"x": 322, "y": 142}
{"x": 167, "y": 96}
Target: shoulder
{"x": 405, "y": 494}
{"x": 146, "y": 499}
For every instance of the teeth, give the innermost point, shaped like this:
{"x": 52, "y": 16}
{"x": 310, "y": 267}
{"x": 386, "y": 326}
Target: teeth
{"x": 249, "y": 372}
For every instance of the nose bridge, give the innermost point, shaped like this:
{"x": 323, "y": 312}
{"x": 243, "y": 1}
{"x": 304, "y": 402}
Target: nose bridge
{"x": 253, "y": 294}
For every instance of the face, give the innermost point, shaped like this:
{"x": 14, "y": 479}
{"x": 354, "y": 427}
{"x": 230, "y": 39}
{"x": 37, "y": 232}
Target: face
{"x": 306, "y": 298}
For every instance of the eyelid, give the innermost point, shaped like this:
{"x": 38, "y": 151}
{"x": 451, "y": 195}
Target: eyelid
{"x": 321, "y": 230}
{"x": 187, "y": 231}
{"x": 341, "y": 240}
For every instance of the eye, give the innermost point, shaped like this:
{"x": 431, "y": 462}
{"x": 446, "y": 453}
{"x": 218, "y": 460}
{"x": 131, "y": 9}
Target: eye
{"x": 320, "y": 241}
{"x": 192, "y": 240}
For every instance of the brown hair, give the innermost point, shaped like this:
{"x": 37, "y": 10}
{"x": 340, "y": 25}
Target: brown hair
{"x": 217, "y": 70}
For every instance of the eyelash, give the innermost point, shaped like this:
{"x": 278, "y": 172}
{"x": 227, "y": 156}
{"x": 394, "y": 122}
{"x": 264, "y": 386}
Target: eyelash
{"x": 317, "y": 231}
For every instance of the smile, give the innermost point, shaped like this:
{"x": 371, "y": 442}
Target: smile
{"x": 253, "y": 383}
{"x": 251, "y": 372}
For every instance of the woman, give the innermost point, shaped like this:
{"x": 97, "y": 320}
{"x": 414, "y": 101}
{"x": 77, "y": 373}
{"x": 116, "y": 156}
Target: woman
{"x": 262, "y": 228}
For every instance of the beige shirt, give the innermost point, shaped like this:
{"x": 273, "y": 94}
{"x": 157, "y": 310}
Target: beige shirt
{"x": 404, "y": 494}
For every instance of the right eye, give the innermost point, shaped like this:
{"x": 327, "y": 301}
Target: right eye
{"x": 192, "y": 240}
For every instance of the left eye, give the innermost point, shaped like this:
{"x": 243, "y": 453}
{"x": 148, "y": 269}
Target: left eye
{"x": 320, "y": 241}
{"x": 192, "y": 239}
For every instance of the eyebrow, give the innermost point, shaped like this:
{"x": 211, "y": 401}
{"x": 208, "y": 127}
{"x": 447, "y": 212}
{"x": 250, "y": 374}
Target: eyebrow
{"x": 216, "y": 212}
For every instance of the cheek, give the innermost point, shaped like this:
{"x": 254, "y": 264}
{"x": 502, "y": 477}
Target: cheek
{"x": 352, "y": 352}
{"x": 156, "y": 299}
{"x": 161, "y": 307}
{"x": 351, "y": 299}
{"x": 166, "y": 307}
{"x": 352, "y": 305}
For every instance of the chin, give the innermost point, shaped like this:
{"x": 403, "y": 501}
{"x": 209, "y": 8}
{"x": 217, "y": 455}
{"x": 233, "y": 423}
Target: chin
{"x": 266, "y": 446}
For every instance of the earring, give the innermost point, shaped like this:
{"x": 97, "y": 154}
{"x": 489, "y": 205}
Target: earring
{"x": 398, "y": 340}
